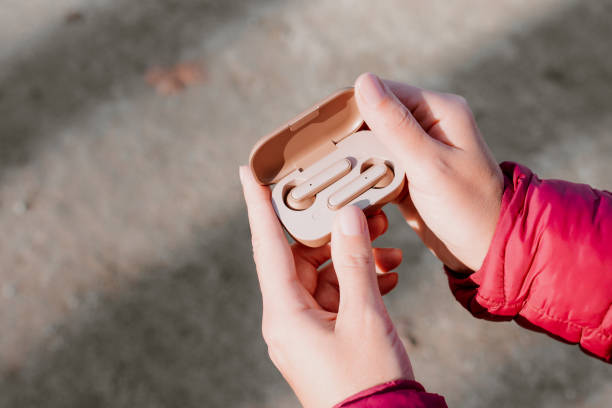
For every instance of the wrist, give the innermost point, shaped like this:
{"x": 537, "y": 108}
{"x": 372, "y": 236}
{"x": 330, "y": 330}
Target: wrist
{"x": 492, "y": 209}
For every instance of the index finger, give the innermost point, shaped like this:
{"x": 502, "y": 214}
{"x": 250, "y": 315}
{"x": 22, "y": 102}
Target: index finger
{"x": 273, "y": 257}
{"x": 424, "y": 105}
{"x": 443, "y": 116}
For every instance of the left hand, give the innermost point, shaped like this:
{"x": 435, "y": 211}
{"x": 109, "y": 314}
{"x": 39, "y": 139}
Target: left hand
{"x": 328, "y": 331}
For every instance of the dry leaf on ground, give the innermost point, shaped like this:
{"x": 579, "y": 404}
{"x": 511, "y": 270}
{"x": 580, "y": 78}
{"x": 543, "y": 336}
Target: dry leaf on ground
{"x": 167, "y": 81}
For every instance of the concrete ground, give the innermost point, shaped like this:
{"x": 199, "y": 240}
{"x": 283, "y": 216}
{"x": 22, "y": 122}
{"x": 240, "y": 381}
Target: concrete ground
{"x": 125, "y": 271}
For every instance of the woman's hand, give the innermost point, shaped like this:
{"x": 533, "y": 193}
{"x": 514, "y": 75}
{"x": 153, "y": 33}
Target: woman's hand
{"x": 455, "y": 186}
{"x": 327, "y": 347}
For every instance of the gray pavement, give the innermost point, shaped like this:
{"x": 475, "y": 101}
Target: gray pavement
{"x": 125, "y": 269}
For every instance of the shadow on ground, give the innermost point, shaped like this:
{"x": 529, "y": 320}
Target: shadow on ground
{"x": 144, "y": 346}
{"x": 78, "y": 66}
{"x": 537, "y": 82}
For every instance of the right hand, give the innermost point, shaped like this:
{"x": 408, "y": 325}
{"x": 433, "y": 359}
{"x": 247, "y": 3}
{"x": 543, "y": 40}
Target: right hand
{"x": 455, "y": 185}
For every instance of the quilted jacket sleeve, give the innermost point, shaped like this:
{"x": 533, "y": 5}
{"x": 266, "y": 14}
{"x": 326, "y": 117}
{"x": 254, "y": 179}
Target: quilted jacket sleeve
{"x": 400, "y": 393}
{"x": 549, "y": 265}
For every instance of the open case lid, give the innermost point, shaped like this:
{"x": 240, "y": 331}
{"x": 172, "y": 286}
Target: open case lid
{"x": 307, "y": 138}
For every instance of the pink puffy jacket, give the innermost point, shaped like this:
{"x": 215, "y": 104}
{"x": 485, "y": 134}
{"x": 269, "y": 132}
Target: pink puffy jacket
{"x": 549, "y": 267}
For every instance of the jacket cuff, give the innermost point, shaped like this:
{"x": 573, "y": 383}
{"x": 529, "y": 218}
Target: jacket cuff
{"x": 548, "y": 264}
{"x": 398, "y": 393}
{"x": 482, "y": 291}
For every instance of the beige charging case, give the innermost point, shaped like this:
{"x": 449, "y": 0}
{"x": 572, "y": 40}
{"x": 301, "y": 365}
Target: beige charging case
{"x": 321, "y": 161}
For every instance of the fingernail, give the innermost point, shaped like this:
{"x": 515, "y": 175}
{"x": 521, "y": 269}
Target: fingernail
{"x": 352, "y": 221}
{"x": 371, "y": 89}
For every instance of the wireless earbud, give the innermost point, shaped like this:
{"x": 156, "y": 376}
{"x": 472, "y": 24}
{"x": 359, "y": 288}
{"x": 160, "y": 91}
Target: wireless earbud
{"x": 303, "y": 195}
{"x": 375, "y": 175}
{"x": 384, "y": 180}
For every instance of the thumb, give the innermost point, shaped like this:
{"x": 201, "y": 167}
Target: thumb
{"x": 391, "y": 121}
{"x": 354, "y": 262}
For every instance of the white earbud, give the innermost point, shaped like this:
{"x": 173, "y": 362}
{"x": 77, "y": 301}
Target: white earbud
{"x": 303, "y": 195}
{"x": 377, "y": 176}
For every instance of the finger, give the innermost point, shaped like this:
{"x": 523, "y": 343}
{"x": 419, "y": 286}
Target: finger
{"x": 445, "y": 117}
{"x": 377, "y": 225}
{"x": 308, "y": 259}
{"x": 273, "y": 257}
{"x": 327, "y": 293}
{"x": 411, "y": 215}
{"x": 392, "y": 122}
{"x": 354, "y": 262}
{"x": 314, "y": 256}
{"x": 387, "y": 259}
{"x": 418, "y": 101}
{"x": 387, "y": 282}
{"x": 327, "y": 296}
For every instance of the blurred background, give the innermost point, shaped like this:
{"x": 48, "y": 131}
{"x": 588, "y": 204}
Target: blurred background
{"x": 126, "y": 277}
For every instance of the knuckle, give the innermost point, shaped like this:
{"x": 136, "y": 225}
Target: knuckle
{"x": 443, "y": 166}
{"x": 272, "y": 355}
{"x": 460, "y": 103}
{"x": 357, "y": 260}
{"x": 437, "y": 168}
{"x": 270, "y": 335}
{"x": 274, "y": 335}
{"x": 377, "y": 322}
{"x": 398, "y": 117}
